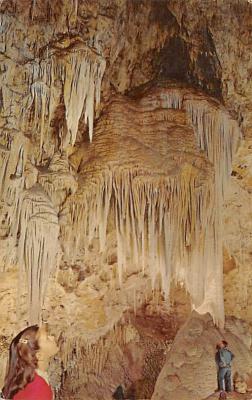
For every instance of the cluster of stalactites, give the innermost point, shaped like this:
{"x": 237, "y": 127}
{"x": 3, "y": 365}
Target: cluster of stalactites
{"x": 31, "y": 216}
{"x": 216, "y": 132}
{"x": 165, "y": 226}
{"x": 84, "y": 358}
{"x": 171, "y": 227}
{"x": 80, "y": 73}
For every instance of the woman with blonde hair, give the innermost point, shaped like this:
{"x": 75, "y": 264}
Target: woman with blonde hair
{"x": 29, "y": 352}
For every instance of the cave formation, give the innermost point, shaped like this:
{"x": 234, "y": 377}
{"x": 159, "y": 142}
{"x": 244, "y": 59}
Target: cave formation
{"x": 125, "y": 190}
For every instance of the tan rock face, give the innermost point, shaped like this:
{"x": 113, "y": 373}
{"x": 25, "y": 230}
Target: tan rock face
{"x": 237, "y": 223}
{"x": 131, "y": 355}
{"x": 193, "y": 355}
{"x": 112, "y": 178}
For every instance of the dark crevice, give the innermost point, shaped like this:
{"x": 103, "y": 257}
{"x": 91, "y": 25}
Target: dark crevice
{"x": 173, "y": 61}
{"x": 208, "y": 65}
{"x": 199, "y": 66}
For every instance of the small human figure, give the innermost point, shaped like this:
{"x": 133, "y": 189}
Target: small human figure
{"x": 224, "y": 359}
{"x": 218, "y": 347}
{"x": 29, "y": 356}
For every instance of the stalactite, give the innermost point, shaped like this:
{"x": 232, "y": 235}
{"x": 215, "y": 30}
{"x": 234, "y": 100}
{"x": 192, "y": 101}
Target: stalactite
{"x": 12, "y": 158}
{"x": 40, "y": 93}
{"x": 82, "y": 91}
{"x": 144, "y": 214}
{"x": 217, "y": 134}
{"x": 38, "y": 245}
{"x": 81, "y": 70}
{"x": 169, "y": 223}
{"x": 20, "y": 164}
{"x": 4, "y": 159}
{"x": 35, "y": 213}
{"x": 171, "y": 99}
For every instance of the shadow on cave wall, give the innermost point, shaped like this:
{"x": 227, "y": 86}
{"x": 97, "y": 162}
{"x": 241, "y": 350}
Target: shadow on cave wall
{"x": 175, "y": 61}
{"x": 180, "y": 58}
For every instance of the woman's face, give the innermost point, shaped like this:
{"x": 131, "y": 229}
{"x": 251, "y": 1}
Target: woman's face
{"x": 47, "y": 345}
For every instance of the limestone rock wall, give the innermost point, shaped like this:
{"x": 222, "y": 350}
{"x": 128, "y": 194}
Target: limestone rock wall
{"x": 237, "y": 228}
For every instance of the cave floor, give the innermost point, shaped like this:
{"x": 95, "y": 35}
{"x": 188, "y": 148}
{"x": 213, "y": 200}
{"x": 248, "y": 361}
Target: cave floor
{"x": 232, "y": 395}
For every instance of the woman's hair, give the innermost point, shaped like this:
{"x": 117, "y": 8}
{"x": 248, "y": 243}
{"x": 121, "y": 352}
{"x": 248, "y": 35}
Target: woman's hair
{"x": 22, "y": 361}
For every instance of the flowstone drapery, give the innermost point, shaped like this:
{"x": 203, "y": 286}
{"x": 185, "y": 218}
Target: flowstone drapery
{"x": 149, "y": 173}
{"x": 39, "y": 231}
{"x": 13, "y": 155}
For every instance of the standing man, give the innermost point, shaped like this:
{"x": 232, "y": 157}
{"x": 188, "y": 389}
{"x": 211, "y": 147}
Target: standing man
{"x": 224, "y": 358}
{"x": 217, "y": 358}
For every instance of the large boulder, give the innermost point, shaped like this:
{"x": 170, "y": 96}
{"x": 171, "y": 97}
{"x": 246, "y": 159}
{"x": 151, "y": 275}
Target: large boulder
{"x": 190, "y": 371}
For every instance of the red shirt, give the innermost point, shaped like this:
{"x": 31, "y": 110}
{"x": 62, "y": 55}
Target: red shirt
{"x": 38, "y": 389}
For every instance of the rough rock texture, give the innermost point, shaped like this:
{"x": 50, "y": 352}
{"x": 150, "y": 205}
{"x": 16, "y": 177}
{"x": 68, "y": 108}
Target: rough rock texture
{"x": 132, "y": 355}
{"x": 237, "y": 223}
{"x": 74, "y": 235}
{"x": 190, "y": 372}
